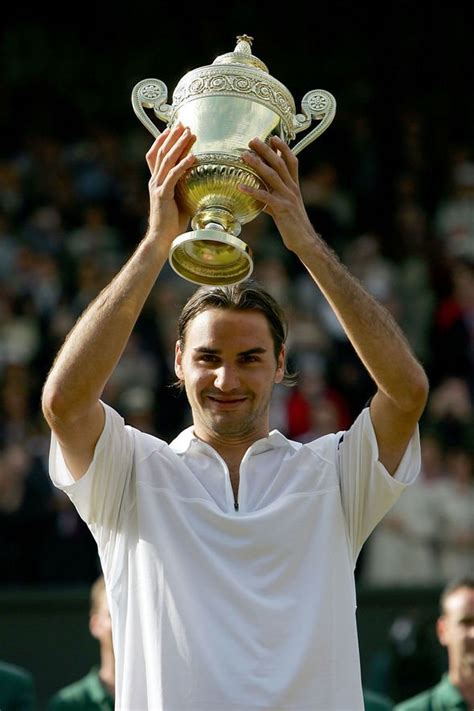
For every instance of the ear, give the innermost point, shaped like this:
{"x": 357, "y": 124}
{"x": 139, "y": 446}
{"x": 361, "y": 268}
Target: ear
{"x": 178, "y": 357}
{"x": 94, "y": 625}
{"x": 280, "y": 371}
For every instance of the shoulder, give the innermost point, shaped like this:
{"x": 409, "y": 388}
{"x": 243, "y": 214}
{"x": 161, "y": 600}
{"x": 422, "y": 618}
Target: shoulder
{"x": 420, "y": 702}
{"x": 71, "y": 697}
{"x": 324, "y": 447}
{"x": 16, "y": 683}
{"x": 11, "y": 673}
{"x": 124, "y": 441}
{"x": 146, "y": 444}
{"x": 442, "y": 696}
{"x": 15, "y": 673}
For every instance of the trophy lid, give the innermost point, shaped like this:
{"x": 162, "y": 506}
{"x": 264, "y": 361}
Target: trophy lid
{"x": 242, "y": 55}
{"x": 236, "y": 74}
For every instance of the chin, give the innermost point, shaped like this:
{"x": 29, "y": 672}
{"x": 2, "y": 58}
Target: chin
{"x": 227, "y": 426}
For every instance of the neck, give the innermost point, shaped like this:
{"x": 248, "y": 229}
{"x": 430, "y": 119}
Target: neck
{"x": 464, "y": 681}
{"x": 107, "y": 671}
{"x": 230, "y": 448}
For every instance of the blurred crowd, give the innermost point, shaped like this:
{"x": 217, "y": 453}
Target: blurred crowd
{"x": 71, "y": 212}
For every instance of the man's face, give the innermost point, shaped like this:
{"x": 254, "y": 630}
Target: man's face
{"x": 228, "y": 367}
{"x": 456, "y": 629}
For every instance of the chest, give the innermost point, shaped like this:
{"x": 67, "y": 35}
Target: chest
{"x": 257, "y": 482}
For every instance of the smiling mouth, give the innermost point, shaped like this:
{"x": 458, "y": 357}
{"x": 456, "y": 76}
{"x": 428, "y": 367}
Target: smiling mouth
{"x": 226, "y": 402}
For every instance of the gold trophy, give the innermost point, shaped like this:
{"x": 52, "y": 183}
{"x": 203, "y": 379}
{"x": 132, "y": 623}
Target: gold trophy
{"x": 225, "y": 105}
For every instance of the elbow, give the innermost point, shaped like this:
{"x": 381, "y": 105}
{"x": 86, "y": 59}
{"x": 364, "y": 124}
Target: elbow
{"x": 416, "y": 395}
{"x": 50, "y": 404}
{"x": 63, "y": 407}
{"x": 54, "y": 405}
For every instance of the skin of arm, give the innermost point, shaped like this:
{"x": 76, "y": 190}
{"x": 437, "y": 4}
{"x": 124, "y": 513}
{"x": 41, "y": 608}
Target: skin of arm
{"x": 71, "y": 393}
{"x": 402, "y": 385}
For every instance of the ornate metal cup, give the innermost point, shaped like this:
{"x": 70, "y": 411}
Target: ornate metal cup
{"x": 225, "y": 105}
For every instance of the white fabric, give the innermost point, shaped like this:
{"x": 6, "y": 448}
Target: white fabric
{"x": 221, "y": 610}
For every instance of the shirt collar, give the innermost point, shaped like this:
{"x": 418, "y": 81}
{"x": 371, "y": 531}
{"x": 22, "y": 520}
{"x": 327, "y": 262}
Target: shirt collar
{"x": 450, "y": 694}
{"x": 274, "y": 440}
{"x": 97, "y": 691}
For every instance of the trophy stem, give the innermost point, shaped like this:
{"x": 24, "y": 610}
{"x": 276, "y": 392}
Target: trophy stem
{"x": 216, "y": 218}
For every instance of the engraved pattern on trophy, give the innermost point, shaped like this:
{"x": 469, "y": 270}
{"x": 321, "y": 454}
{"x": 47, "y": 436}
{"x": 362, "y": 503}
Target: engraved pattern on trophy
{"x": 226, "y": 104}
{"x": 210, "y": 82}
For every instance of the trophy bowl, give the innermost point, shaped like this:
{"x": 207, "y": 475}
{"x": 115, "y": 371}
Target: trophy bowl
{"x": 226, "y": 105}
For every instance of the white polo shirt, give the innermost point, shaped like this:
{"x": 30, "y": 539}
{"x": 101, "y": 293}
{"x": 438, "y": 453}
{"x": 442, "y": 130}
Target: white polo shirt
{"x": 215, "y": 609}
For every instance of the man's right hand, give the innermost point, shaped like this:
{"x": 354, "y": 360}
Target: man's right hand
{"x": 168, "y": 159}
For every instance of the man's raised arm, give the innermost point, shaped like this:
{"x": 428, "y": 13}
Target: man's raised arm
{"x": 93, "y": 348}
{"x": 402, "y": 386}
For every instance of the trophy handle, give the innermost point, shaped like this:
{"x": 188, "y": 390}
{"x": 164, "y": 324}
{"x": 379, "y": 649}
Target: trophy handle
{"x": 316, "y": 104}
{"x": 151, "y": 94}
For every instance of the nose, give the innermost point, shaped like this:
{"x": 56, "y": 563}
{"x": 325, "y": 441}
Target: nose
{"x": 226, "y": 378}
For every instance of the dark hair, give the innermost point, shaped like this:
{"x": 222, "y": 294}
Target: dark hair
{"x": 466, "y": 581}
{"x": 246, "y": 296}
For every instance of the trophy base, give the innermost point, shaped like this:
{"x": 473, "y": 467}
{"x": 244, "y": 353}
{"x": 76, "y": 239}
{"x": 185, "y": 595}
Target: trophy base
{"x": 211, "y": 257}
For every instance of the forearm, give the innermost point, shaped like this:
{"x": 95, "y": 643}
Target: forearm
{"x": 402, "y": 386}
{"x": 95, "y": 344}
{"x": 374, "y": 334}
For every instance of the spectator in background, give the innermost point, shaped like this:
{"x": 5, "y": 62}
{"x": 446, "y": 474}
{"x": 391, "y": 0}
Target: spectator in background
{"x": 97, "y": 689}
{"x": 410, "y": 217}
{"x": 408, "y": 662}
{"x": 8, "y": 247}
{"x": 17, "y": 691}
{"x": 450, "y": 414}
{"x": 364, "y": 258}
{"x": 138, "y": 406}
{"x": 329, "y": 205}
{"x": 403, "y": 549}
{"x": 457, "y": 515}
{"x": 409, "y": 246}
{"x": 314, "y": 408}
{"x": 26, "y": 515}
{"x": 455, "y": 630}
{"x": 454, "y": 217}
{"x": 452, "y": 327}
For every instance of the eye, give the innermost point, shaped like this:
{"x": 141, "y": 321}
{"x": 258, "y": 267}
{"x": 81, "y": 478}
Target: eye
{"x": 208, "y": 358}
{"x": 250, "y": 359}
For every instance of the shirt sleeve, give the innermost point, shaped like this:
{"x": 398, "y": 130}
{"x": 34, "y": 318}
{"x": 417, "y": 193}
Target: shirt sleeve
{"x": 105, "y": 495}
{"x": 368, "y": 491}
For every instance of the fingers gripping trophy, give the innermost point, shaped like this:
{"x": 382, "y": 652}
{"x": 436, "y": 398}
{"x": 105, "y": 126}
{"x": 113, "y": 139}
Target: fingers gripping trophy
{"x": 226, "y": 105}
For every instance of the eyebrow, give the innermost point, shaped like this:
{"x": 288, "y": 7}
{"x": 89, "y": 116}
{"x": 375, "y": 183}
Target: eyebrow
{"x": 216, "y": 351}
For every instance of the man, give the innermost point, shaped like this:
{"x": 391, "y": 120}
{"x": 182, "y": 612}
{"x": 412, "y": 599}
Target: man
{"x": 455, "y": 629}
{"x": 96, "y": 691}
{"x": 17, "y": 691}
{"x": 229, "y": 554}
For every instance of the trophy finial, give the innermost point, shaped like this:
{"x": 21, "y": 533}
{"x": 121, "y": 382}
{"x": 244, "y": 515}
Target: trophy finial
{"x": 242, "y": 55}
{"x": 244, "y": 42}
